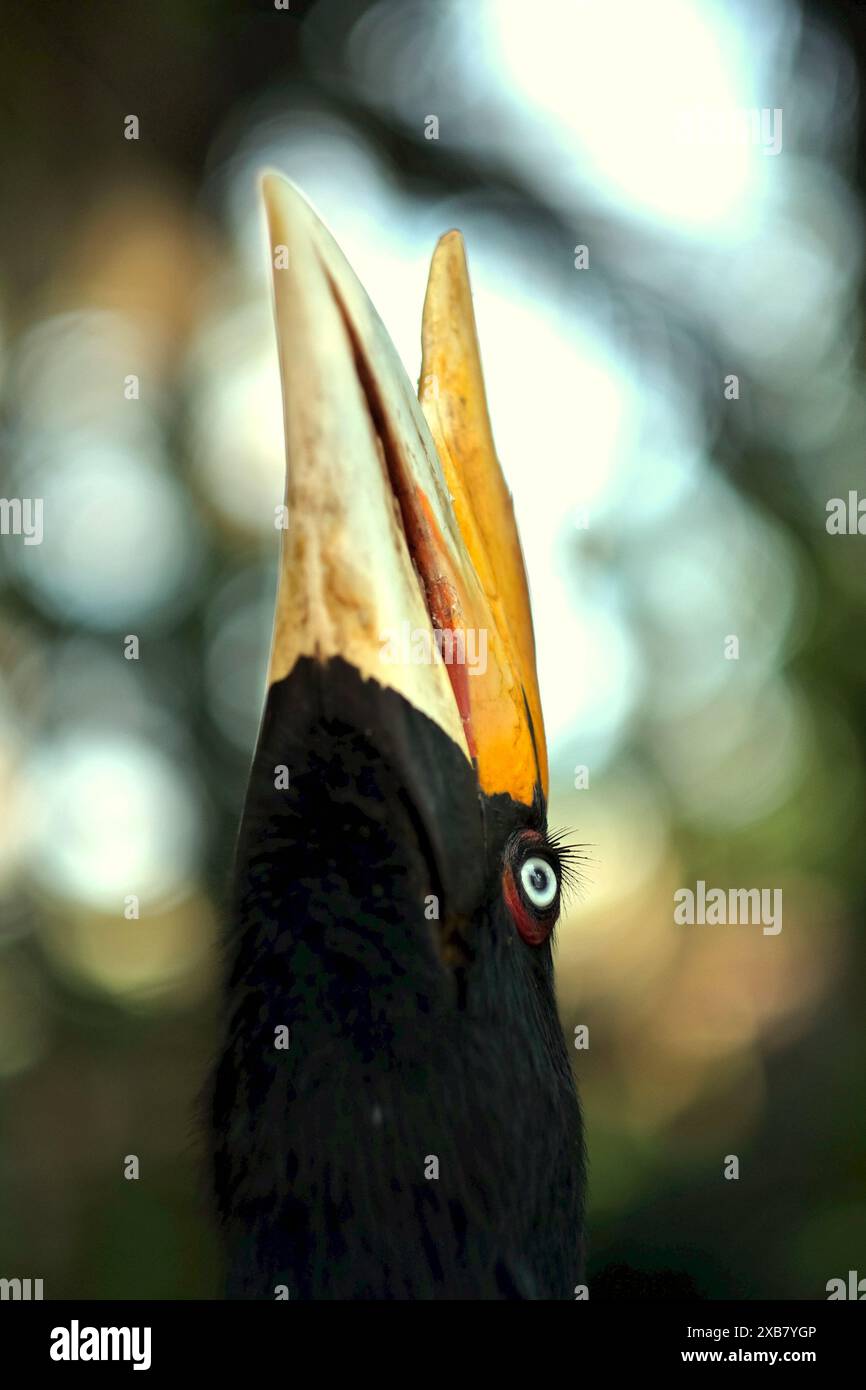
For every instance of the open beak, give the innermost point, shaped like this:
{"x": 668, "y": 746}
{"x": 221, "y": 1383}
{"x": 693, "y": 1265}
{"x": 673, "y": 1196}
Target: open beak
{"x": 401, "y": 552}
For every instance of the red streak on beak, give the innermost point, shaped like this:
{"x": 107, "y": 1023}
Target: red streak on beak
{"x": 443, "y": 603}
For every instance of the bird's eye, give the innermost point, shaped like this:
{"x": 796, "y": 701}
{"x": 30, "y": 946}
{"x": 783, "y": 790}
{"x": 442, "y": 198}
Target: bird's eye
{"x": 538, "y": 882}
{"x": 530, "y": 886}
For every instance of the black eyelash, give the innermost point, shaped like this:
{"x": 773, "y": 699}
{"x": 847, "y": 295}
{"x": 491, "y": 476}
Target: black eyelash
{"x": 568, "y": 858}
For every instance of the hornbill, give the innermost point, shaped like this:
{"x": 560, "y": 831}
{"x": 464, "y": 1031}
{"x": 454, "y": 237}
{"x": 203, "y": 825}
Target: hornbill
{"x": 393, "y": 1111}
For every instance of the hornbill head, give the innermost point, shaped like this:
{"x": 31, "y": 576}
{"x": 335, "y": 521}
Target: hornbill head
{"x": 393, "y": 1111}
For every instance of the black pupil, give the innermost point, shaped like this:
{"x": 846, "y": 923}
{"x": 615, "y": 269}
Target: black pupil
{"x": 538, "y": 879}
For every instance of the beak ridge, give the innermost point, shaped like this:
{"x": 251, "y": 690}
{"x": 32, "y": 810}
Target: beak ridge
{"x": 346, "y": 576}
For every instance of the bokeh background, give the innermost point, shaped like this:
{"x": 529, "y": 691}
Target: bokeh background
{"x": 658, "y": 518}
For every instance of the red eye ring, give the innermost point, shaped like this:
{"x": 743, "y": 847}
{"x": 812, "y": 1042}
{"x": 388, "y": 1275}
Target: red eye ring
{"x": 534, "y": 925}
